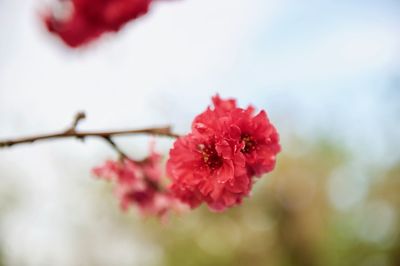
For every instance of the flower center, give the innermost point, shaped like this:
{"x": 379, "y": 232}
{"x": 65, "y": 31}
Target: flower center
{"x": 249, "y": 143}
{"x": 210, "y": 156}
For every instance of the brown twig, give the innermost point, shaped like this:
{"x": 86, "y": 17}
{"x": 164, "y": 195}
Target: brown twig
{"x": 78, "y": 118}
{"x": 73, "y": 132}
{"x": 114, "y": 145}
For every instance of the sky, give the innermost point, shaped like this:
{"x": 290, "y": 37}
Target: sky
{"x": 319, "y": 68}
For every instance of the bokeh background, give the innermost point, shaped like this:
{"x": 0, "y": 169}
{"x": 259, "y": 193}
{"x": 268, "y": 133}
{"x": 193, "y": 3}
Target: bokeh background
{"x": 326, "y": 71}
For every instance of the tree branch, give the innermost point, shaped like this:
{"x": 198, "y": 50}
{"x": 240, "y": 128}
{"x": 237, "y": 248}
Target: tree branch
{"x": 73, "y": 132}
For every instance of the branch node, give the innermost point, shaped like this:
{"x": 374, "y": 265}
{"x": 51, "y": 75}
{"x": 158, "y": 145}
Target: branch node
{"x": 81, "y": 138}
{"x": 77, "y": 119}
{"x": 3, "y": 144}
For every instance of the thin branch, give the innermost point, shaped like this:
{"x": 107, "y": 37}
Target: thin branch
{"x": 121, "y": 154}
{"x": 78, "y": 118}
{"x": 73, "y": 132}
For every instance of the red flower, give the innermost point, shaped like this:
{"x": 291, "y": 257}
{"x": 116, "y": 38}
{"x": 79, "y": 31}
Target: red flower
{"x": 82, "y": 21}
{"x": 207, "y": 169}
{"x": 139, "y": 184}
{"x": 253, "y": 134}
{"x": 217, "y": 161}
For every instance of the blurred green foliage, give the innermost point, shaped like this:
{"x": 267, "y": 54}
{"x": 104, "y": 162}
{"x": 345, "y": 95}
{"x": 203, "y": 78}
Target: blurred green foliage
{"x": 290, "y": 220}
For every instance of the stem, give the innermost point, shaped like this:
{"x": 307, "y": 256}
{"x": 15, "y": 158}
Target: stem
{"x": 72, "y": 132}
{"x": 78, "y": 118}
{"x": 122, "y": 155}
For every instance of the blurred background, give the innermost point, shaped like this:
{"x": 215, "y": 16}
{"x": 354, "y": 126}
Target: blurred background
{"x": 326, "y": 71}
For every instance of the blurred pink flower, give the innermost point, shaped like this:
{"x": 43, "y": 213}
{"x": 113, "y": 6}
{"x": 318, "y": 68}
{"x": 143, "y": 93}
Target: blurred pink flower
{"x": 139, "y": 184}
{"x": 81, "y": 21}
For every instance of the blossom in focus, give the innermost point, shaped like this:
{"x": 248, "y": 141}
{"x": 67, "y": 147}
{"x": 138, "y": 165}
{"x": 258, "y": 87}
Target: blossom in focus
{"x": 139, "y": 184}
{"x": 78, "y": 22}
{"x": 207, "y": 169}
{"x": 218, "y": 161}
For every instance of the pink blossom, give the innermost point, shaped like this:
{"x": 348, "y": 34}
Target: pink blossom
{"x": 139, "y": 184}
{"x": 209, "y": 170}
{"x": 216, "y": 163}
{"x": 252, "y": 133}
{"x": 81, "y": 21}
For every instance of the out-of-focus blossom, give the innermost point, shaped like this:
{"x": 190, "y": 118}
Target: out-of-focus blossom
{"x": 216, "y": 163}
{"x": 78, "y": 22}
{"x": 139, "y": 184}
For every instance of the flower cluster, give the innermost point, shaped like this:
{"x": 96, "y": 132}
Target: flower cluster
{"x": 217, "y": 162}
{"x": 78, "y": 22}
{"x": 139, "y": 184}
